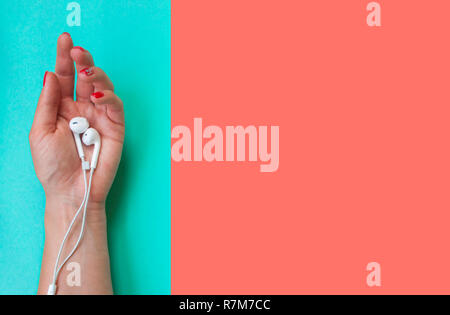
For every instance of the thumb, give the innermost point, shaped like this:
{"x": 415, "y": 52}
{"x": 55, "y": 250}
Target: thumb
{"x": 48, "y": 104}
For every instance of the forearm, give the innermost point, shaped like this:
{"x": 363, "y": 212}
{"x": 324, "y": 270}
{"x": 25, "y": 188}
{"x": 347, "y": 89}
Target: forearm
{"x": 92, "y": 255}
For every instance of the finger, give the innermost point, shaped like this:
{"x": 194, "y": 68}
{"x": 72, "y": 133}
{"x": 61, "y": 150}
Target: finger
{"x": 114, "y": 105}
{"x": 64, "y": 68}
{"x": 83, "y": 59}
{"x": 48, "y": 105}
{"x": 97, "y": 77}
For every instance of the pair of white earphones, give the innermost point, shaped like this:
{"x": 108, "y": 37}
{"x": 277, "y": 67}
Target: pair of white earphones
{"x": 79, "y": 125}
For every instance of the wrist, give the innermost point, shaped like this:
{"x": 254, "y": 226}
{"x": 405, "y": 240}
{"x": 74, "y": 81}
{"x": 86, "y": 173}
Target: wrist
{"x": 60, "y": 211}
{"x": 92, "y": 253}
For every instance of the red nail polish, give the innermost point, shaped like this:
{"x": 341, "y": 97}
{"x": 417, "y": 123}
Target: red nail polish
{"x": 65, "y": 33}
{"x": 87, "y": 71}
{"x": 98, "y": 94}
{"x": 45, "y": 77}
{"x": 80, "y": 48}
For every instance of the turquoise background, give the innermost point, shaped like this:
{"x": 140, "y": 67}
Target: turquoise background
{"x": 130, "y": 40}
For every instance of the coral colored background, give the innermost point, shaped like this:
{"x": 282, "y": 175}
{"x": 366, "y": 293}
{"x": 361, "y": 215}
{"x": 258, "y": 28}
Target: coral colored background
{"x": 364, "y": 147}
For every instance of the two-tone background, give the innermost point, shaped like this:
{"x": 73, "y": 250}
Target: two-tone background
{"x": 364, "y": 143}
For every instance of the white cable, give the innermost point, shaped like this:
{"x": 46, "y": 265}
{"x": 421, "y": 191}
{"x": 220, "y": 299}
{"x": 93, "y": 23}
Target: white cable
{"x": 52, "y": 287}
{"x": 82, "y": 225}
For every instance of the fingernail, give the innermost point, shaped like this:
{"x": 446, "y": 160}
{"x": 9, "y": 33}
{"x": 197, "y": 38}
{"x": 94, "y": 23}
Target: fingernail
{"x": 98, "y": 94}
{"x": 45, "y": 77}
{"x": 65, "y": 33}
{"x": 87, "y": 71}
{"x": 80, "y": 48}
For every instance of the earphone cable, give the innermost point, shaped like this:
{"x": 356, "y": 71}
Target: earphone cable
{"x": 83, "y": 223}
{"x": 52, "y": 288}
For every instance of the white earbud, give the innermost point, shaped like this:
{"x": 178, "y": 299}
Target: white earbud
{"x": 92, "y": 137}
{"x": 79, "y": 125}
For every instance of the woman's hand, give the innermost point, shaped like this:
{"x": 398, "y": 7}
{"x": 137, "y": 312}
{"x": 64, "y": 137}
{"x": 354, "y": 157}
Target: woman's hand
{"x": 58, "y": 165}
{"x": 55, "y": 158}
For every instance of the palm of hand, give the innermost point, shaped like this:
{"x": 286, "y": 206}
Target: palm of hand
{"x": 57, "y": 164}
